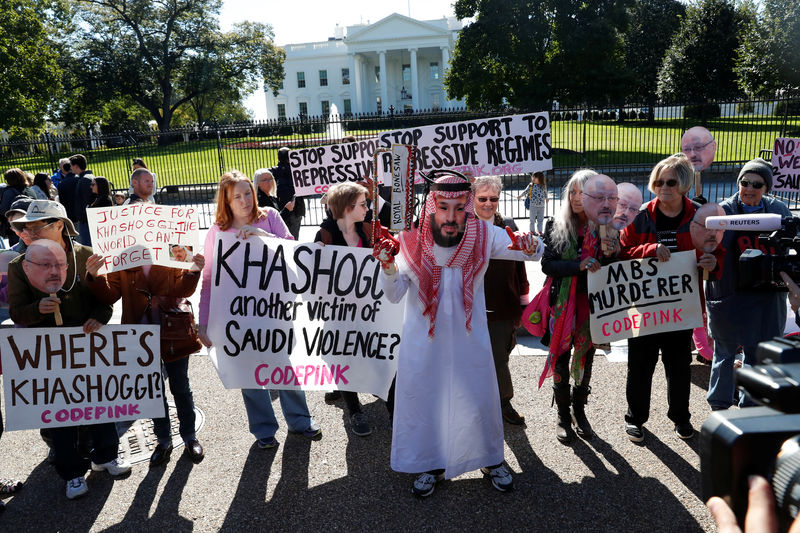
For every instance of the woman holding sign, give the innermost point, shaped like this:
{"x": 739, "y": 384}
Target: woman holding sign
{"x": 238, "y": 212}
{"x": 661, "y": 228}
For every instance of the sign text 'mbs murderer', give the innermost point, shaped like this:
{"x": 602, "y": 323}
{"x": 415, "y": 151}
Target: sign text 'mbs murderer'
{"x": 502, "y": 145}
{"x": 644, "y": 296}
{"x": 300, "y": 316}
{"x": 65, "y": 377}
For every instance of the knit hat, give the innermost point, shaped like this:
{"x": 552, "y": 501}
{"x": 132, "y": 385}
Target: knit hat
{"x": 760, "y": 167}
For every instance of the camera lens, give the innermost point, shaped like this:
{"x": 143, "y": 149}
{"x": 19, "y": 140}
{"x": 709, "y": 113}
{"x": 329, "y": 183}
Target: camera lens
{"x": 786, "y": 479}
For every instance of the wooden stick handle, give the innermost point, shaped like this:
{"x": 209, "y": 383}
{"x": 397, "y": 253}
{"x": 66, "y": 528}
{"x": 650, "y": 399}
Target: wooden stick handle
{"x": 57, "y": 313}
{"x": 705, "y": 275}
{"x": 603, "y": 235}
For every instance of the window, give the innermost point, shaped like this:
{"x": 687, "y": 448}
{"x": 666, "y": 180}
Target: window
{"x": 303, "y": 108}
{"x": 280, "y": 87}
{"x": 377, "y": 73}
{"x": 323, "y": 78}
{"x": 326, "y": 108}
{"x": 281, "y": 110}
{"x": 345, "y": 76}
{"x": 301, "y": 80}
{"x": 435, "y": 71}
{"x": 378, "y": 105}
{"x": 406, "y": 72}
{"x": 348, "y": 107}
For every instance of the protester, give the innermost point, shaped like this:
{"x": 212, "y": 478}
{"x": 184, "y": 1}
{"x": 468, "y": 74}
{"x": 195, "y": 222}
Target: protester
{"x": 447, "y": 409}
{"x": 536, "y": 192}
{"x": 700, "y": 147}
{"x": 142, "y": 183}
{"x": 292, "y": 209}
{"x": 16, "y": 185}
{"x": 18, "y": 209}
{"x": 138, "y": 163}
{"x": 766, "y": 310}
{"x": 42, "y": 282}
{"x": 573, "y": 247}
{"x": 41, "y": 187}
{"x": 659, "y": 230}
{"x": 74, "y": 194}
{"x": 145, "y": 291}
{"x": 119, "y": 198}
{"x": 62, "y": 172}
{"x": 506, "y": 290}
{"x": 101, "y": 191}
{"x": 348, "y": 204}
{"x": 238, "y": 213}
{"x": 264, "y": 182}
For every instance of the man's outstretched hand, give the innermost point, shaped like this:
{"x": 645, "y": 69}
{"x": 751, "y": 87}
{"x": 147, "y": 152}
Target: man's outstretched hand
{"x": 526, "y": 242}
{"x": 385, "y": 249}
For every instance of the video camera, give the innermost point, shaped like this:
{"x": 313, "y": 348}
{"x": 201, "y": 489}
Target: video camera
{"x": 736, "y": 444}
{"x": 761, "y": 271}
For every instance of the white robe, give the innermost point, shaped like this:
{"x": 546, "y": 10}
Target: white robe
{"x": 447, "y": 405}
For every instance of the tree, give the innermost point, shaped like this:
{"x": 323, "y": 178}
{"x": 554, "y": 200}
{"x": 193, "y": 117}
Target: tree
{"x": 29, "y": 70}
{"x": 768, "y": 60}
{"x": 698, "y": 66}
{"x": 528, "y": 52}
{"x": 652, "y": 25}
{"x": 164, "y": 53}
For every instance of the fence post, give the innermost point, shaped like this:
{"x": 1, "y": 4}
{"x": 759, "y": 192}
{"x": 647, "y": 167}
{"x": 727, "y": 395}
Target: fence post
{"x": 785, "y": 117}
{"x": 219, "y": 151}
{"x": 583, "y": 148}
{"x": 302, "y": 130}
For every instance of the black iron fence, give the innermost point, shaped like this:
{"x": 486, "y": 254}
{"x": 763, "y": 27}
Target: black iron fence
{"x": 624, "y": 142}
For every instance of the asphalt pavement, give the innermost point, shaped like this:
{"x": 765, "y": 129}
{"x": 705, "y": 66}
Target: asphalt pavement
{"x": 344, "y": 482}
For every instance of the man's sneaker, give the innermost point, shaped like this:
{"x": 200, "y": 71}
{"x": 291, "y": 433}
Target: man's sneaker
{"x": 423, "y": 486}
{"x": 76, "y": 487}
{"x": 360, "y": 423}
{"x": 313, "y": 432}
{"x": 634, "y": 432}
{"x": 116, "y": 467}
{"x": 685, "y": 430}
{"x": 268, "y": 443}
{"x": 501, "y": 477}
{"x": 332, "y": 397}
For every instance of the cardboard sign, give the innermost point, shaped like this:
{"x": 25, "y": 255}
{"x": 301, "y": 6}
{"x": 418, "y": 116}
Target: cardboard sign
{"x": 643, "y": 296}
{"x": 315, "y": 169}
{"x": 401, "y": 187}
{"x": 493, "y": 146}
{"x": 65, "y": 377}
{"x": 786, "y": 164}
{"x": 288, "y": 315}
{"x": 142, "y": 234}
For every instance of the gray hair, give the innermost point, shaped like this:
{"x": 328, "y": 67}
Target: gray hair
{"x": 257, "y": 175}
{"x": 565, "y": 226}
{"x": 487, "y": 181}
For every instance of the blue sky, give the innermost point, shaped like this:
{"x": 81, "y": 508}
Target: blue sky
{"x": 314, "y": 20}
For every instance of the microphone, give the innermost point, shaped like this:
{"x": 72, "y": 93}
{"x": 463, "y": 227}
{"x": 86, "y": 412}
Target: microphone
{"x": 755, "y": 222}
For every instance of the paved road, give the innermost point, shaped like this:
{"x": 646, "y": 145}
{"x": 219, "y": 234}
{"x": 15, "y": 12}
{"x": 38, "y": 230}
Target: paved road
{"x": 344, "y": 482}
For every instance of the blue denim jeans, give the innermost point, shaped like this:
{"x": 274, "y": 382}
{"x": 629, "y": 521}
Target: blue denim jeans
{"x": 178, "y": 375}
{"x": 721, "y": 383}
{"x": 261, "y": 415}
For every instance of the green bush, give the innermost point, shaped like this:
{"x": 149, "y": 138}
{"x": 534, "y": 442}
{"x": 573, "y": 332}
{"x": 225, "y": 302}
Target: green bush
{"x": 794, "y": 108}
{"x": 702, "y": 111}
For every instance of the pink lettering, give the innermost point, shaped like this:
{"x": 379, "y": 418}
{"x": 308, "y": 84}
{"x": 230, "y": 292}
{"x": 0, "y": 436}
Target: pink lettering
{"x": 261, "y": 381}
{"x": 340, "y": 370}
{"x": 46, "y": 416}
{"x": 676, "y": 315}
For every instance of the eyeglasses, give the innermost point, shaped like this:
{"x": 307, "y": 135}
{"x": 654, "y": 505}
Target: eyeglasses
{"x": 668, "y": 183}
{"x": 754, "y": 184}
{"x": 48, "y": 266}
{"x": 484, "y": 199}
{"x": 696, "y": 148}
{"x": 602, "y": 198}
{"x": 36, "y": 229}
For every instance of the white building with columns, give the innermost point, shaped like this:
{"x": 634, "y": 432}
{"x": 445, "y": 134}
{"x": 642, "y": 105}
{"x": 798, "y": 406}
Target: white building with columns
{"x": 397, "y": 61}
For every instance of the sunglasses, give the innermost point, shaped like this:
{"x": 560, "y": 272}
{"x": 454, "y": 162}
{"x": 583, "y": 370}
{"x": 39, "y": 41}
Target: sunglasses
{"x": 668, "y": 183}
{"x": 484, "y": 199}
{"x": 754, "y": 184}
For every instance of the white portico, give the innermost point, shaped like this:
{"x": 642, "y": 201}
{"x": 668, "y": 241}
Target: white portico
{"x": 397, "y": 61}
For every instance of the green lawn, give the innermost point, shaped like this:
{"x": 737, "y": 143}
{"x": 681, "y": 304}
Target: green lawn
{"x": 606, "y": 143}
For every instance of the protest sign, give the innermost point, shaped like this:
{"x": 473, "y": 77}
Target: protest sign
{"x": 503, "y": 145}
{"x": 644, "y": 296}
{"x": 65, "y": 377}
{"x": 402, "y": 190}
{"x": 315, "y": 169}
{"x": 300, "y": 316}
{"x": 786, "y": 164}
{"x": 143, "y": 234}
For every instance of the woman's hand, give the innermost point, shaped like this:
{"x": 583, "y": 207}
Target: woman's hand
{"x": 662, "y": 253}
{"x": 203, "y": 336}
{"x": 92, "y": 325}
{"x": 610, "y": 245}
{"x": 707, "y": 262}
{"x": 49, "y": 305}
{"x": 247, "y": 231}
{"x": 591, "y": 264}
{"x": 93, "y": 264}
{"x": 289, "y": 206}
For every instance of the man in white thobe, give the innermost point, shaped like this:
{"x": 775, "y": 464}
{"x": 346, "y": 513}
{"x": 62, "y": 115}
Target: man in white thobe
{"x": 447, "y": 417}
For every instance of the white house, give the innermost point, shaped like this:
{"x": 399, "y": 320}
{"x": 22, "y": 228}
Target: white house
{"x": 397, "y": 61}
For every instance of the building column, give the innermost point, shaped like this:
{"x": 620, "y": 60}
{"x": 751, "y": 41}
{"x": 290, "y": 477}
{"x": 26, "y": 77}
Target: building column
{"x": 414, "y": 80}
{"x": 444, "y": 69}
{"x": 384, "y": 85}
{"x": 355, "y": 84}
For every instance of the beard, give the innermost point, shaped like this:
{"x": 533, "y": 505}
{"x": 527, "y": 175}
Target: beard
{"x": 446, "y": 241}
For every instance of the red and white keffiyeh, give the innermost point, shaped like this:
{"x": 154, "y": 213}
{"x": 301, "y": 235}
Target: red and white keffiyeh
{"x": 470, "y": 254}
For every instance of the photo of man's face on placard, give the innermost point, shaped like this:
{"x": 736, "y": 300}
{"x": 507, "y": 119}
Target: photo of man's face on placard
{"x": 45, "y": 264}
{"x": 699, "y": 146}
{"x": 628, "y": 205}
{"x": 703, "y": 239}
{"x": 599, "y": 198}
